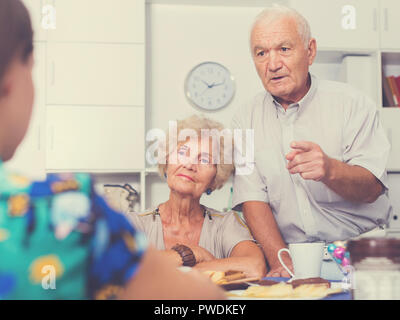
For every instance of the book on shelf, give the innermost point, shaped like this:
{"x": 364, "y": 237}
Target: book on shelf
{"x": 391, "y": 93}
{"x": 398, "y": 83}
{"x": 395, "y": 91}
{"x": 387, "y": 93}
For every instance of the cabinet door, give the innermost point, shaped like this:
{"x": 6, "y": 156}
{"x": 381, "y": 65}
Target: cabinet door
{"x": 95, "y": 138}
{"x": 390, "y": 24}
{"x": 95, "y": 74}
{"x": 341, "y": 23}
{"x": 29, "y": 158}
{"x": 35, "y": 10}
{"x": 98, "y": 20}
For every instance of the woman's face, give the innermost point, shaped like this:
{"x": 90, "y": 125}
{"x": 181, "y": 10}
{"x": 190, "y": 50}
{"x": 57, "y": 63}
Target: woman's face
{"x": 193, "y": 171}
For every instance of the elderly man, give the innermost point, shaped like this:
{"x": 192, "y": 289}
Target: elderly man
{"x": 319, "y": 149}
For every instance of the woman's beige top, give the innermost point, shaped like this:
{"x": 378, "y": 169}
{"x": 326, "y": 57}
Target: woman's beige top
{"x": 221, "y": 231}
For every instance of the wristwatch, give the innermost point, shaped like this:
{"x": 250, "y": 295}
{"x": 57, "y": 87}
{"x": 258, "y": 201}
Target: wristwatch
{"x": 187, "y": 255}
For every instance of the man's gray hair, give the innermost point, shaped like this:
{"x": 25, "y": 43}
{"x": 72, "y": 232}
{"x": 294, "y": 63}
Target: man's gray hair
{"x": 276, "y": 11}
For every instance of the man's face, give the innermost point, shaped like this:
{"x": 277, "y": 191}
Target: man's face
{"x": 281, "y": 59}
{"x": 16, "y": 104}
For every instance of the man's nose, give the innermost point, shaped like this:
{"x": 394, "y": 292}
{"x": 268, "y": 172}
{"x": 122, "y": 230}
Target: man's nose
{"x": 275, "y": 62}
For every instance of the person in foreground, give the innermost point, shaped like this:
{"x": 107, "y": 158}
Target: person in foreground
{"x": 58, "y": 239}
{"x": 320, "y": 149}
{"x": 190, "y": 233}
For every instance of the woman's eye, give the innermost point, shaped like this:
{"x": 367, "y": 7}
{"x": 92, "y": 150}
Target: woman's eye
{"x": 204, "y": 161}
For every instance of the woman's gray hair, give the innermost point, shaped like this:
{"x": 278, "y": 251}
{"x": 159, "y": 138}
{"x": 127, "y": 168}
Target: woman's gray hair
{"x": 224, "y": 143}
{"x": 276, "y": 12}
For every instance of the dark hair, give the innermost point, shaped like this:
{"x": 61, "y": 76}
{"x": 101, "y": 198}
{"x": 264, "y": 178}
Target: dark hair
{"x": 16, "y": 34}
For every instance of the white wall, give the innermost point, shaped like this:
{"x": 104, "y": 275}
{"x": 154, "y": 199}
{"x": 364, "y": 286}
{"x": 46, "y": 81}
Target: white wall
{"x": 180, "y": 37}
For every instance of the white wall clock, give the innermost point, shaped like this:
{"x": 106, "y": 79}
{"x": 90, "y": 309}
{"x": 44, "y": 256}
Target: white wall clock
{"x": 209, "y": 86}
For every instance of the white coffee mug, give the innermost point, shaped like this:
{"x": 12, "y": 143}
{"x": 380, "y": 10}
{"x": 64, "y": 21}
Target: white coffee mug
{"x": 306, "y": 258}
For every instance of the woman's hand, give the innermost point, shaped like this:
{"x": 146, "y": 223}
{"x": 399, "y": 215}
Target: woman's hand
{"x": 246, "y": 256}
{"x": 201, "y": 254}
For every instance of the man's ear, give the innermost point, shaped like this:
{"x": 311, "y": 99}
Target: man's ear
{"x": 312, "y": 50}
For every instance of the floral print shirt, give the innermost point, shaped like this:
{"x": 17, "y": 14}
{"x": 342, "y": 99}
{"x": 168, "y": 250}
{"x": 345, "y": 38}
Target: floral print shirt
{"x": 60, "y": 240}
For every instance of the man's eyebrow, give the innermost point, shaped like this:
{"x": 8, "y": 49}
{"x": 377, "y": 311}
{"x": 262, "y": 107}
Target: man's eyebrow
{"x": 258, "y": 48}
{"x": 285, "y": 43}
{"x": 277, "y": 45}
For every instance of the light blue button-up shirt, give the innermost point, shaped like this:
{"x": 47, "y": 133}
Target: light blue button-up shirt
{"x": 345, "y": 124}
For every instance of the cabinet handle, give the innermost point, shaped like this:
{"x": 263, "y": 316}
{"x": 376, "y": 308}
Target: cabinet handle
{"x": 385, "y": 19}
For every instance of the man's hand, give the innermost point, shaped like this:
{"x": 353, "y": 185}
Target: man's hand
{"x": 277, "y": 270}
{"x": 308, "y": 159}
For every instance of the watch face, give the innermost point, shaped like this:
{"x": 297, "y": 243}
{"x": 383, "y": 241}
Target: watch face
{"x": 209, "y": 86}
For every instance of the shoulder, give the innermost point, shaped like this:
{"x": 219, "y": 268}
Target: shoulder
{"x": 62, "y": 183}
{"x": 12, "y": 183}
{"x": 142, "y": 219}
{"x": 352, "y": 101}
{"x": 343, "y": 91}
{"x": 143, "y": 215}
{"x": 226, "y": 217}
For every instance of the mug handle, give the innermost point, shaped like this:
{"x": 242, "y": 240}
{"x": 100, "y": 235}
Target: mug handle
{"x": 281, "y": 261}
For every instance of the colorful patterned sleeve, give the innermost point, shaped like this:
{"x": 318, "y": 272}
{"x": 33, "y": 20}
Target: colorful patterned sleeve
{"x": 60, "y": 240}
{"x": 116, "y": 251}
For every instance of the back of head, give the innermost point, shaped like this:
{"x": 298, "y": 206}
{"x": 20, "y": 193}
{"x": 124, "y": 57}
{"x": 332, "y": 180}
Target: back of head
{"x": 16, "y": 34}
{"x": 276, "y": 12}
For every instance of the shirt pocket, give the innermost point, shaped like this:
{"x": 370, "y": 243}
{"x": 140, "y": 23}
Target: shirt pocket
{"x": 321, "y": 193}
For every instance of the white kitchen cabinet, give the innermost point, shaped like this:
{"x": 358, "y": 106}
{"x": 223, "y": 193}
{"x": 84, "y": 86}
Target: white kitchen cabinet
{"x": 390, "y": 24}
{"x": 111, "y": 21}
{"x": 342, "y": 23}
{"x": 95, "y": 74}
{"x": 29, "y": 158}
{"x": 90, "y": 139}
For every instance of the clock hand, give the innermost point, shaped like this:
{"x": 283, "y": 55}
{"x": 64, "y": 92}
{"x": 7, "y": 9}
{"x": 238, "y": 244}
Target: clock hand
{"x": 218, "y": 84}
{"x": 208, "y": 86}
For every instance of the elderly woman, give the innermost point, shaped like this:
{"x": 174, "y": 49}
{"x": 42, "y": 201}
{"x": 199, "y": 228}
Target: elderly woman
{"x": 189, "y": 232}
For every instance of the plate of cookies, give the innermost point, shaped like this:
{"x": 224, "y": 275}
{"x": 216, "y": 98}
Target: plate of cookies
{"x": 300, "y": 289}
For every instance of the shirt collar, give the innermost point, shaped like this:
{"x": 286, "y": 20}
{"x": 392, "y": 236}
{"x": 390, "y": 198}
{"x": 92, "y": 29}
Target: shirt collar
{"x": 304, "y": 101}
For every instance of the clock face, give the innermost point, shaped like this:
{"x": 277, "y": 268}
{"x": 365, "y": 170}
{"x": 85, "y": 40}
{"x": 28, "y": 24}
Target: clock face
{"x": 210, "y": 86}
